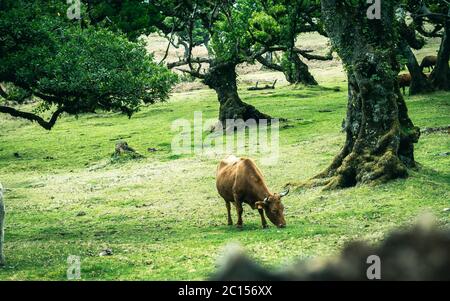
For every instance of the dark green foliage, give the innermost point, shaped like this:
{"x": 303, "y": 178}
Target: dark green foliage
{"x": 133, "y": 17}
{"x": 71, "y": 69}
{"x": 276, "y": 25}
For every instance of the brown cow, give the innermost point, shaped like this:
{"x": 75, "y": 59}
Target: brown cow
{"x": 429, "y": 62}
{"x": 240, "y": 181}
{"x": 404, "y": 80}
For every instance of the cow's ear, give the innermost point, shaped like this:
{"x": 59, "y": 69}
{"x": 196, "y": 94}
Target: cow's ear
{"x": 259, "y": 205}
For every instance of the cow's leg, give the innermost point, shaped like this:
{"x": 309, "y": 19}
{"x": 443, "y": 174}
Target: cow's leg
{"x": 239, "y": 211}
{"x": 263, "y": 219}
{"x": 230, "y": 221}
{"x": 238, "y": 199}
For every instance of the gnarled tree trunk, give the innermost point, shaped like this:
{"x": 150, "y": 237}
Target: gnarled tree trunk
{"x": 380, "y": 136}
{"x": 419, "y": 81}
{"x": 440, "y": 77}
{"x": 222, "y": 78}
{"x": 409, "y": 39}
{"x": 296, "y": 71}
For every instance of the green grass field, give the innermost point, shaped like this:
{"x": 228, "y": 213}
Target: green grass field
{"x": 162, "y": 216}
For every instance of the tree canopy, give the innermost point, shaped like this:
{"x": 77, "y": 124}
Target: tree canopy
{"x": 277, "y": 24}
{"x": 70, "y": 69}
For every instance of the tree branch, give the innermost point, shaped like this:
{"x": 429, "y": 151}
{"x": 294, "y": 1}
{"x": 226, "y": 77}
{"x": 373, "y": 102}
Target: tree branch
{"x": 193, "y": 73}
{"x": 305, "y": 53}
{"x": 316, "y": 57}
{"x": 433, "y": 16}
{"x": 269, "y": 64}
{"x": 166, "y": 54}
{"x": 48, "y": 125}
{"x": 186, "y": 62}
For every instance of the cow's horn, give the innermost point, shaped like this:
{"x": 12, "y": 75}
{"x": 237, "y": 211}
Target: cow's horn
{"x": 284, "y": 193}
{"x": 266, "y": 200}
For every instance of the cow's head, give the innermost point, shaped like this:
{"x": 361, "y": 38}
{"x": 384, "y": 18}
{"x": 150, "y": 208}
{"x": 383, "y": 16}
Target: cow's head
{"x": 274, "y": 208}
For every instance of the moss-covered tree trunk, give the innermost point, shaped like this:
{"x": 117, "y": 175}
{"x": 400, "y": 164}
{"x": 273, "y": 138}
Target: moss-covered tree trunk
{"x": 380, "y": 136}
{"x": 440, "y": 77}
{"x": 296, "y": 71}
{"x": 419, "y": 81}
{"x": 223, "y": 79}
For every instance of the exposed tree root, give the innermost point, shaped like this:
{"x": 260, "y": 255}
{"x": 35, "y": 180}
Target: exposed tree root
{"x": 234, "y": 108}
{"x": 364, "y": 162}
{"x": 361, "y": 169}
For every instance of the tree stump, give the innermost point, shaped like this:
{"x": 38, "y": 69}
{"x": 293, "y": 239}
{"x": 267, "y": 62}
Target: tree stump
{"x": 124, "y": 151}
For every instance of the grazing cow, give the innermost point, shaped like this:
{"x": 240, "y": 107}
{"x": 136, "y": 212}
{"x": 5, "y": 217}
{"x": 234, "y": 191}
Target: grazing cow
{"x": 404, "y": 80}
{"x": 429, "y": 62}
{"x": 2, "y": 219}
{"x": 240, "y": 181}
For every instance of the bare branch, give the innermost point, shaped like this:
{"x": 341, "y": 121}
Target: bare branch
{"x": 269, "y": 64}
{"x": 48, "y": 125}
{"x": 166, "y": 54}
{"x": 305, "y": 53}
{"x": 196, "y": 74}
{"x": 186, "y": 62}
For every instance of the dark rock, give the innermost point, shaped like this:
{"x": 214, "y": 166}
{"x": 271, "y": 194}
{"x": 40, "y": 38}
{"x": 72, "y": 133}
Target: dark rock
{"x": 106, "y": 252}
{"x": 419, "y": 253}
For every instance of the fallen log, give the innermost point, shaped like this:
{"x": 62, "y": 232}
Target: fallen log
{"x": 266, "y": 87}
